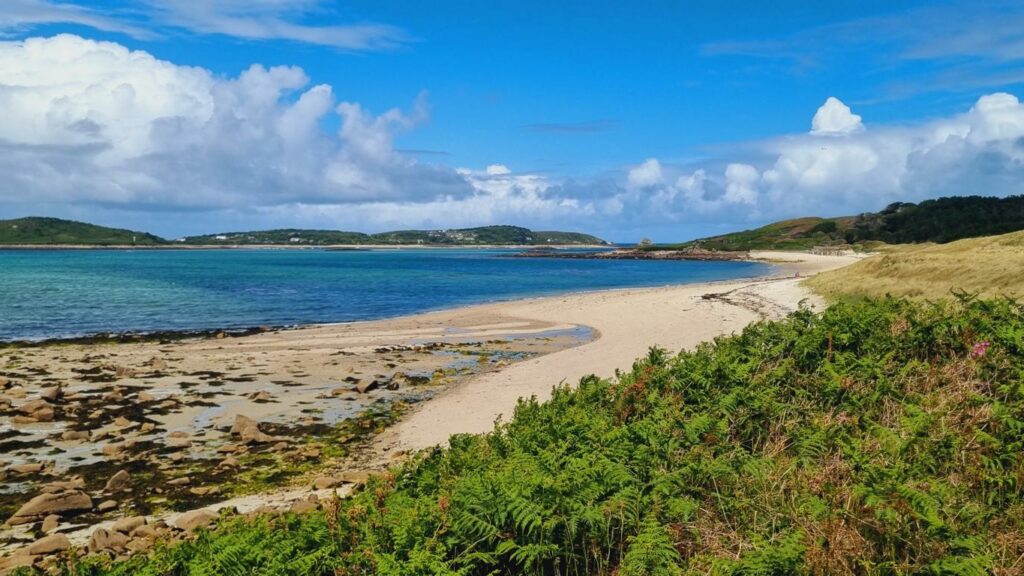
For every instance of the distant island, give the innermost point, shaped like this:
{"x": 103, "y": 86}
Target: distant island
{"x": 41, "y": 231}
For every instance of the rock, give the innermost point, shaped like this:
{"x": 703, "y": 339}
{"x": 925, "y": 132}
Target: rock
{"x": 31, "y": 468}
{"x": 46, "y": 504}
{"x": 303, "y": 506}
{"x": 241, "y": 423}
{"x": 122, "y": 422}
{"x": 51, "y": 394}
{"x": 106, "y": 506}
{"x": 124, "y": 372}
{"x": 20, "y": 559}
{"x": 103, "y": 539}
{"x": 64, "y": 486}
{"x": 184, "y": 480}
{"x": 4, "y": 381}
{"x": 190, "y": 521}
{"x": 118, "y": 482}
{"x": 74, "y": 435}
{"x": 364, "y": 387}
{"x": 229, "y": 462}
{"x": 204, "y": 490}
{"x": 113, "y": 396}
{"x": 227, "y": 449}
{"x": 50, "y": 523}
{"x": 145, "y": 531}
{"x": 147, "y": 427}
{"x": 139, "y": 544}
{"x": 30, "y": 407}
{"x": 178, "y": 441}
{"x": 262, "y": 396}
{"x": 253, "y": 435}
{"x": 22, "y": 419}
{"x": 113, "y": 450}
{"x": 128, "y": 525}
{"x": 145, "y": 397}
{"x": 158, "y": 364}
{"x": 43, "y": 415}
{"x": 340, "y": 391}
{"x": 356, "y": 476}
{"x": 325, "y": 482}
{"x": 50, "y": 544}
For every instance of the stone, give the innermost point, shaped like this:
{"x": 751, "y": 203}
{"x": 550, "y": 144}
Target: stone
{"x": 106, "y": 506}
{"x": 22, "y": 419}
{"x": 339, "y": 391}
{"x": 364, "y": 386}
{"x": 325, "y": 482}
{"x": 50, "y": 523}
{"x": 184, "y": 480}
{"x": 30, "y": 407}
{"x": 74, "y": 435}
{"x": 178, "y": 441}
{"x": 4, "y": 382}
{"x": 50, "y": 544}
{"x": 129, "y": 524}
{"x": 113, "y": 450}
{"x": 122, "y": 422}
{"x": 103, "y": 539}
{"x": 63, "y": 485}
{"x": 118, "y": 482}
{"x": 229, "y": 462}
{"x": 43, "y": 415}
{"x": 304, "y": 506}
{"x": 158, "y": 364}
{"x": 31, "y": 468}
{"x": 124, "y": 372}
{"x": 46, "y": 504}
{"x": 261, "y": 396}
{"x": 147, "y": 427}
{"x": 204, "y": 490}
{"x": 145, "y": 397}
{"x": 190, "y": 521}
{"x": 20, "y": 559}
{"x": 51, "y": 394}
{"x": 145, "y": 531}
{"x": 139, "y": 544}
{"x": 241, "y": 423}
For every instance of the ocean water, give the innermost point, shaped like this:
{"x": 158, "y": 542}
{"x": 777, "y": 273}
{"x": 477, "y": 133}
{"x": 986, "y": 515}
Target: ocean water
{"x": 68, "y": 293}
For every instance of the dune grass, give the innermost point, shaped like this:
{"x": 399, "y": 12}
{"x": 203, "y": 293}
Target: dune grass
{"x": 989, "y": 266}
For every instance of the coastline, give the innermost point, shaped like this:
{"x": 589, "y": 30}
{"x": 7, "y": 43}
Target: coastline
{"x": 338, "y": 247}
{"x": 620, "y": 325}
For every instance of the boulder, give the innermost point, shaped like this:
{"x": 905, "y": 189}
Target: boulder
{"x": 50, "y": 523}
{"x": 20, "y": 559}
{"x": 31, "y": 468}
{"x": 46, "y": 504}
{"x": 118, "y": 482}
{"x": 145, "y": 397}
{"x": 43, "y": 415}
{"x": 74, "y": 435}
{"x": 106, "y": 505}
{"x": 51, "y": 394}
{"x": 4, "y": 381}
{"x": 50, "y": 544}
{"x": 103, "y": 539}
{"x": 30, "y": 407}
{"x": 364, "y": 386}
{"x": 241, "y": 423}
{"x": 158, "y": 364}
{"x": 184, "y": 480}
{"x": 190, "y": 521}
{"x": 113, "y": 450}
{"x": 128, "y": 525}
{"x": 303, "y": 506}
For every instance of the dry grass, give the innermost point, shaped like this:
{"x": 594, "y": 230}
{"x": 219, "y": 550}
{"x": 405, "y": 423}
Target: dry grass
{"x": 989, "y": 266}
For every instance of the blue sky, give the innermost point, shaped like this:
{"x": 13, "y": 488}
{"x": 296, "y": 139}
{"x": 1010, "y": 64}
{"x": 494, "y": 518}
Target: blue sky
{"x": 621, "y": 118}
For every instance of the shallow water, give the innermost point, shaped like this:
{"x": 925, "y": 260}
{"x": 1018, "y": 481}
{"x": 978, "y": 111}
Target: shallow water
{"x": 68, "y": 293}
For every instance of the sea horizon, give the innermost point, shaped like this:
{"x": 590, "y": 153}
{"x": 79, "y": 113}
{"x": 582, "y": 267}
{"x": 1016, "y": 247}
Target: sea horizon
{"x": 72, "y": 294}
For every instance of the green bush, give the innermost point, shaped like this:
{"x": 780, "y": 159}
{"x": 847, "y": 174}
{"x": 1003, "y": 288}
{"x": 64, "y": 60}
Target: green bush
{"x": 879, "y": 437}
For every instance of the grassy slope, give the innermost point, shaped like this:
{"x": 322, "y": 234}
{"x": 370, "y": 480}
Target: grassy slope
{"x": 988, "y": 266}
{"x": 874, "y": 438}
{"x": 44, "y": 231}
{"x": 482, "y": 235}
{"x": 796, "y": 234}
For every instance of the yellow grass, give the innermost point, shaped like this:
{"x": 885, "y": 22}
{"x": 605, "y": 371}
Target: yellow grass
{"x": 989, "y": 266}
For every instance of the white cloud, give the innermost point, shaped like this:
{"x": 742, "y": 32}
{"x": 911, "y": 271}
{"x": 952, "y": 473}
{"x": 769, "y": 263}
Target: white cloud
{"x": 248, "y": 19}
{"x": 841, "y": 167}
{"x": 95, "y": 122}
{"x": 834, "y": 117}
{"x": 646, "y": 174}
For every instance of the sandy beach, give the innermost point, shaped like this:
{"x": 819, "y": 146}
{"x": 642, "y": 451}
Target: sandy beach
{"x": 173, "y": 404}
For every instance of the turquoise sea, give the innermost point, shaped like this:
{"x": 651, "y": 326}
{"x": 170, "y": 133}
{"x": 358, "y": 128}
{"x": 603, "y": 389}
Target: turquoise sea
{"x": 68, "y": 293}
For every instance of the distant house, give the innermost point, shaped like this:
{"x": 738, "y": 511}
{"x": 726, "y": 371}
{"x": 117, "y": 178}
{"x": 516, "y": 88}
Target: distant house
{"x": 220, "y": 237}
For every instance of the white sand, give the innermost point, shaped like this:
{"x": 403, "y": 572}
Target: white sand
{"x": 629, "y": 323}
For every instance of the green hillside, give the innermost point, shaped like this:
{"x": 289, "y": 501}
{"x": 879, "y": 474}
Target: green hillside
{"x": 485, "y": 235}
{"x": 940, "y": 220}
{"x": 286, "y": 236}
{"x": 878, "y": 437}
{"x": 50, "y": 231}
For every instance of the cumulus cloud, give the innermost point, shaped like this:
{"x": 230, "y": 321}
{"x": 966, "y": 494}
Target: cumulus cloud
{"x": 648, "y": 173}
{"x": 843, "y": 167}
{"x": 834, "y": 117}
{"x": 94, "y": 121}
